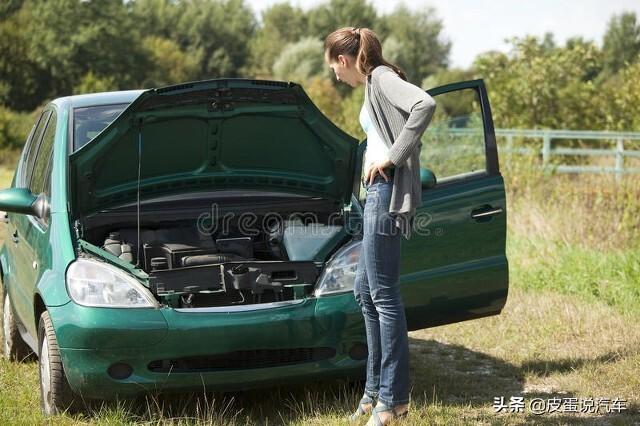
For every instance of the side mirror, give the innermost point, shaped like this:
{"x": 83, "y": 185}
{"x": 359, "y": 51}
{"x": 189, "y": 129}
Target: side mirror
{"x": 21, "y": 200}
{"x": 427, "y": 178}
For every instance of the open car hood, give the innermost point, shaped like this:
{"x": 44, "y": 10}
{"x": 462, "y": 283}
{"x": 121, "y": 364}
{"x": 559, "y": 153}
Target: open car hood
{"x": 210, "y": 135}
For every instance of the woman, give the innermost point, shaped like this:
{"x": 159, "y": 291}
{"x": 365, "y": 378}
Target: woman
{"x": 394, "y": 116}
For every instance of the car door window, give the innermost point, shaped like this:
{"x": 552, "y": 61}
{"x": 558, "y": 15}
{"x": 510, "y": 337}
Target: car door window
{"x": 453, "y": 147}
{"x": 40, "y": 165}
{"x": 27, "y": 147}
{"x": 32, "y": 150}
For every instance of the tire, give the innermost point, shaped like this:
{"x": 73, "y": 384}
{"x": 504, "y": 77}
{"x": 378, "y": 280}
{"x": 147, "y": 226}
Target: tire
{"x": 56, "y": 395}
{"x": 15, "y": 349}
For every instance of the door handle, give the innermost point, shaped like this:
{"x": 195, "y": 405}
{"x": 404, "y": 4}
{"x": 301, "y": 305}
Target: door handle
{"x": 485, "y": 212}
{"x": 14, "y": 237}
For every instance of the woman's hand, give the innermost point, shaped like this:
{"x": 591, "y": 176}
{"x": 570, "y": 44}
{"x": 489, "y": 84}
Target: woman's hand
{"x": 376, "y": 168}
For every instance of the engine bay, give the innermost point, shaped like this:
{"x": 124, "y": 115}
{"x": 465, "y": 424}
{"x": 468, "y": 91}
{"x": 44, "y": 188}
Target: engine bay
{"x": 189, "y": 268}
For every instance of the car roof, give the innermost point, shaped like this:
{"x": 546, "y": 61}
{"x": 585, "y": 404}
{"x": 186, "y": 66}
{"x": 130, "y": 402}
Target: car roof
{"x": 103, "y": 98}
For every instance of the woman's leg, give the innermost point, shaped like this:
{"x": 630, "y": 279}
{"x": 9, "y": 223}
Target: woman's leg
{"x": 363, "y": 297}
{"x": 382, "y": 262}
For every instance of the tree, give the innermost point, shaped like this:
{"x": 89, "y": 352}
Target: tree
{"x": 328, "y": 17}
{"x": 14, "y": 128}
{"x": 457, "y": 105}
{"x": 348, "y": 119}
{"x": 218, "y": 33}
{"x": 169, "y": 64}
{"x": 622, "y": 93}
{"x": 156, "y": 17}
{"x": 414, "y": 41}
{"x": 301, "y": 60}
{"x": 23, "y": 82}
{"x": 69, "y": 38}
{"x": 325, "y": 97}
{"x": 8, "y": 7}
{"x": 90, "y": 83}
{"x": 540, "y": 86}
{"x": 281, "y": 24}
{"x": 621, "y": 44}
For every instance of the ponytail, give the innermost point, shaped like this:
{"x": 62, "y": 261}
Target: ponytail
{"x": 362, "y": 44}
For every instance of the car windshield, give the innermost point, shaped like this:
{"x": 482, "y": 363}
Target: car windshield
{"x": 89, "y": 121}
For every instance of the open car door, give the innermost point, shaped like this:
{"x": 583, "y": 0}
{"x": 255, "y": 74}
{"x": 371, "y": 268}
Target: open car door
{"x": 454, "y": 266}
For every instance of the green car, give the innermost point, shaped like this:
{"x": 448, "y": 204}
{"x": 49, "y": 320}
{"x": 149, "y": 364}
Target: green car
{"x": 207, "y": 234}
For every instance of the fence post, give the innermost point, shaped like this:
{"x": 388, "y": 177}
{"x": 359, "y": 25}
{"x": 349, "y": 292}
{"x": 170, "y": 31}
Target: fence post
{"x": 619, "y": 158}
{"x": 546, "y": 149}
{"x": 509, "y": 149}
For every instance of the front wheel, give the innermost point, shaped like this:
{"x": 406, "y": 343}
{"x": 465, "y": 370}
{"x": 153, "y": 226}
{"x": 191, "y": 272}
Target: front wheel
{"x": 15, "y": 349}
{"x": 56, "y": 395}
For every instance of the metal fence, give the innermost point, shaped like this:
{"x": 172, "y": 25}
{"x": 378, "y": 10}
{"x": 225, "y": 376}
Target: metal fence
{"x": 616, "y": 145}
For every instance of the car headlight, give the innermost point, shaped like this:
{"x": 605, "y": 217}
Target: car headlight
{"x": 94, "y": 283}
{"x": 340, "y": 273}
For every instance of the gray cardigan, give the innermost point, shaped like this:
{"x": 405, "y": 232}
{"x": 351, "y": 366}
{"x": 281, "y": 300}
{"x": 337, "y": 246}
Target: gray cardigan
{"x": 400, "y": 112}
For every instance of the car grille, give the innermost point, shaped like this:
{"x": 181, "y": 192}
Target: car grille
{"x": 240, "y": 360}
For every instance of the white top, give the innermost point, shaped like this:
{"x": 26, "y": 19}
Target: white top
{"x": 376, "y": 147}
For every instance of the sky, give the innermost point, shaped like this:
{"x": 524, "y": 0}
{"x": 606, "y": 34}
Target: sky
{"x": 475, "y": 26}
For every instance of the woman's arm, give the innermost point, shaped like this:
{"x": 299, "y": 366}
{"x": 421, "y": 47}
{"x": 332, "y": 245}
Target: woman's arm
{"x": 413, "y": 100}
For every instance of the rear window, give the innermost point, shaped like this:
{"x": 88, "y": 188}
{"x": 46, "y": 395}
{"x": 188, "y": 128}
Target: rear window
{"x": 89, "y": 121}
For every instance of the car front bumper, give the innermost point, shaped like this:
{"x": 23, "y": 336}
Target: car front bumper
{"x": 181, "y": 350}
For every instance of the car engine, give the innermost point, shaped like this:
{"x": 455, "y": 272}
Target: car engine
{"x": 189, "y": 269}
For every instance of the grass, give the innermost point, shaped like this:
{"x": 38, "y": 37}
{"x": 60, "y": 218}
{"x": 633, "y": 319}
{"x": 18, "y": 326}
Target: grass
{"x": 587, "y": 211}
{"x": 544, "y": 344}
{"x": 611, "y": 277}
{"x": 570, "y": 329}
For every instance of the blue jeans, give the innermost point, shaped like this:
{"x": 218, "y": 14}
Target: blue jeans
{"x": 377, "y": 291}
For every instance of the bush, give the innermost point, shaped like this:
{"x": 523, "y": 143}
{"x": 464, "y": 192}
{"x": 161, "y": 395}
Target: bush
{"x": 300, "y": 61}
{"x": 15, "y": 128}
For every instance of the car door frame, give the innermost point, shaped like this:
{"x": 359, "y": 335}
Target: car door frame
{"x": 26, "y": 226}
{"x": 495, "y": 301}
{"x": 492, "y": 166}
{"x": 491, "y": 295}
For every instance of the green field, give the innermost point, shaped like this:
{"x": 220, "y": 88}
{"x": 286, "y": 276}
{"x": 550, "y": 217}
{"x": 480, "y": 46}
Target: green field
{"x": 570, "y": 329}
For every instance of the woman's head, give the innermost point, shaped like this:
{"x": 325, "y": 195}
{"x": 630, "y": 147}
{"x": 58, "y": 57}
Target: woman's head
{"x": 353, "y": 53}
